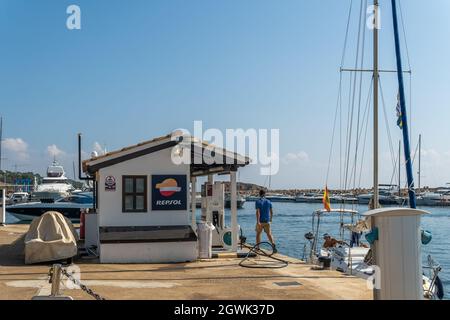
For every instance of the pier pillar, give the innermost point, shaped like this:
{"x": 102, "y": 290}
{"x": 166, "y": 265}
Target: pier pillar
{"x": 234, "y": 222}
{"x": 396, "y": 243}
{"x": 3, "y": 210}
{"x": 193, "y": 202}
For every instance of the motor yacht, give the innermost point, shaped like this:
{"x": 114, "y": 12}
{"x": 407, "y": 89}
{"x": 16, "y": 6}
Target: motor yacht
{"x": 54, "y": 186}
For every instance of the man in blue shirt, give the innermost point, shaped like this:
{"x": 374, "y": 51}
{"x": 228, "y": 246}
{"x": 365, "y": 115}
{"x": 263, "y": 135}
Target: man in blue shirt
{"x": 264, "y": 214}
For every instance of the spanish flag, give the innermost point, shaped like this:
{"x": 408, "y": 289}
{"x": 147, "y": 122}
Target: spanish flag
{"x": 326, "y": 200}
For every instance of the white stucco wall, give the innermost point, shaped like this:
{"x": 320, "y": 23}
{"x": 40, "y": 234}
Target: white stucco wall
{"x": 156, "y": 252}
{"x": 110, "y": 202}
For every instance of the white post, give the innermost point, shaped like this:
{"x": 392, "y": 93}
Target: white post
{"x": 210, "y": 179}
{"x": 3, "y": 213}
{"x": 193, "y": 202}
{"x": 234, "y": 223}
{"x": 398, "y": 253}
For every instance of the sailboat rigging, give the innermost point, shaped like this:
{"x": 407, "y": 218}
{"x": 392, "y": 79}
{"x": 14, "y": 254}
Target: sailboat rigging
{"x": 354, "y": 257}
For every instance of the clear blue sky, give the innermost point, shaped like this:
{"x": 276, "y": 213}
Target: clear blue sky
{"x": 138, "y": 69}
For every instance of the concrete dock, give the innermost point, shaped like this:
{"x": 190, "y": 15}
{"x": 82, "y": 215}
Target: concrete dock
{"x": 220, "y": 278}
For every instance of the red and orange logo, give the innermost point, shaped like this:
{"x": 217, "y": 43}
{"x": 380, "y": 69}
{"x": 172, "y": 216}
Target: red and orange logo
{"x": 168, "y": 187}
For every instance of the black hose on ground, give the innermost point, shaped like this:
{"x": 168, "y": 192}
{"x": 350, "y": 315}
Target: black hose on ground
{"x": 256, "y": 249}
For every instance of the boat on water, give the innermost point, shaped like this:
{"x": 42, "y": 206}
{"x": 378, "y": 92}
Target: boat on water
{"x": 54, "y": 186}
{"x": 309, "y": 197}
{"x": 251, "y": 198}
{"x": 440, "y": 197}
{"x": 318, "y": 198}
{"x": 18, "y": 197}
{"x": 273, "y": 197}
{"x": 240, "y": 201}
{"x": 279, "y": 197}
{"x": 387, "y": 195}
{"x": 344, "y": 199}
{"x": 70, "y": 206}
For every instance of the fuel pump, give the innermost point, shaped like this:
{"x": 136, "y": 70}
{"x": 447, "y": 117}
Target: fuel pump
{"x": 213, "y": 210}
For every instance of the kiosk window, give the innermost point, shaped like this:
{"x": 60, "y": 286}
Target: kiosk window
{"x": 134, "y": 194}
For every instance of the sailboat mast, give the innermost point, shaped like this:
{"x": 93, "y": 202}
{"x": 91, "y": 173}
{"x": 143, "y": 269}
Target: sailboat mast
{"x": 399, "y": 168}
{"x": 375, "y": 104}
{"x": 407, "y": 149}
{"x": 420, "y": 159}
{"x": 73, "y": 167}
{"x": 1, "y": 137}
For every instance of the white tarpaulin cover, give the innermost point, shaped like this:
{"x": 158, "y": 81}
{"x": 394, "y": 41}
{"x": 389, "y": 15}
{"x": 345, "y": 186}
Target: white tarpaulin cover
{"x": 50, "y": 237}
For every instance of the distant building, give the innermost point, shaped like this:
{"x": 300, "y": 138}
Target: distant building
{"x": 9, "y": 187}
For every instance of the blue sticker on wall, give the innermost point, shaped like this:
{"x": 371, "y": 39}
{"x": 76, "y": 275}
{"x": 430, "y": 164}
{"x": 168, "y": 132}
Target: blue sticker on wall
{"x": 169, "y": 192}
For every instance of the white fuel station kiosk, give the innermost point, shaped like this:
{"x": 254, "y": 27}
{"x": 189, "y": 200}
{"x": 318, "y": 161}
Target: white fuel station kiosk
{"x": 144, "y": 199}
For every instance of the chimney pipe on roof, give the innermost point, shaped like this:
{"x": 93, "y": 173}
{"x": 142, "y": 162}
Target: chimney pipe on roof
{"x": 79, "y": 160}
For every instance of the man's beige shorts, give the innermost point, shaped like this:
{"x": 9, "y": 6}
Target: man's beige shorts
{"x": 263, "y": 226}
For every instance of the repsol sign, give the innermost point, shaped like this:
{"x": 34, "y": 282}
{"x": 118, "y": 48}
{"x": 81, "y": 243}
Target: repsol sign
{"x": 169, "y": 192}
{"x": 168, "y": 202}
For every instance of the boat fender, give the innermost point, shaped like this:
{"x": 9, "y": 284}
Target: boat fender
{"x": 426, "y": 237}
{"x": 82, "y": 224}
{"x": 372, "y": 236}
{"x": 439, "y": 288}
{"x": 309, "y": 236}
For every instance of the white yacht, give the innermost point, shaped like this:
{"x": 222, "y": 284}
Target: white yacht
{"x": 309, "y": 197}
{"x": 54, "y": 186}
{"x": 279, "y": 197}
{"x": 441, "y": 197}
{"x": 17, "y": 197}
{"x": 387, "y": 195}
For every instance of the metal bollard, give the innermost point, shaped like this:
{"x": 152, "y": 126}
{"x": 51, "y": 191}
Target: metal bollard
{"x": 55, "y": 280}
{"x": 3, "y": 210}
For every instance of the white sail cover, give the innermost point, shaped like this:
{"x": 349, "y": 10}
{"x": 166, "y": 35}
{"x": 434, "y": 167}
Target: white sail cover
{"x": 50, "y": 237}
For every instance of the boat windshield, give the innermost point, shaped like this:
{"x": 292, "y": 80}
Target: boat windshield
{"x": 47, "y": 181}
{"x": 55, "y": 174}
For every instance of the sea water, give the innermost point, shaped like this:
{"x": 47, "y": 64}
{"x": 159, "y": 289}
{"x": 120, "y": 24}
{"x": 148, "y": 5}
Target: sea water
{"x": 292, "y": 220}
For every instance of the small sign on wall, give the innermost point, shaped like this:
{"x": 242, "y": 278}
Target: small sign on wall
{"x": 110, "y": 183}
{"x": 169, "y": 192}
